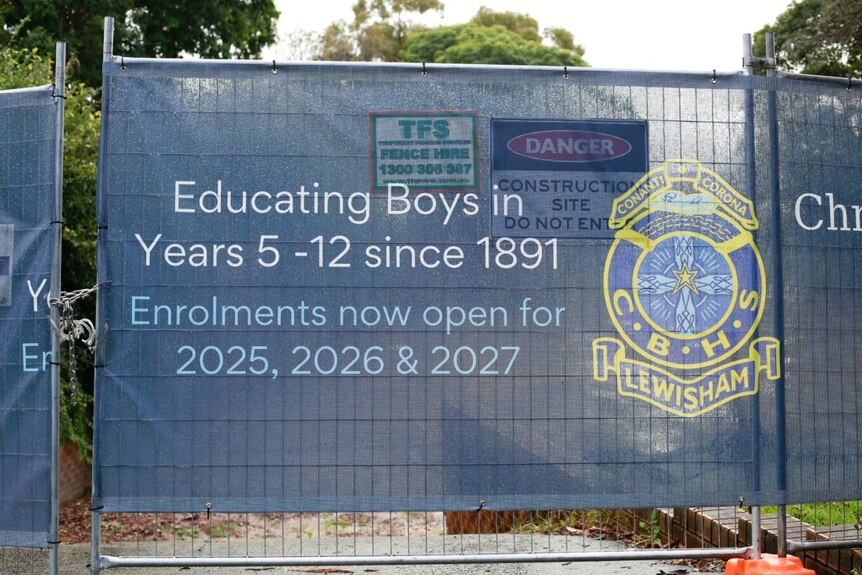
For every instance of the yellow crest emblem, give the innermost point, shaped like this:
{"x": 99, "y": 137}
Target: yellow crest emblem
{"x": 684, "y": 285}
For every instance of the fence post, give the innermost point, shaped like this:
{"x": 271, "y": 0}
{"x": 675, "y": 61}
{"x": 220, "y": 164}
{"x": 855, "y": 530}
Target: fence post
{"x": 770, "y": 563}
{"x": 751, "y": 180}
{"x": 60, "y": 108}
{"x": 778, "y": 299}
{"x": 95, "y": 517}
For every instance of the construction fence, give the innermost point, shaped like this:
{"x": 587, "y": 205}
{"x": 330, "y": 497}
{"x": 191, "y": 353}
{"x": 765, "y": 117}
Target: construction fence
{"x": 346, "y": 310}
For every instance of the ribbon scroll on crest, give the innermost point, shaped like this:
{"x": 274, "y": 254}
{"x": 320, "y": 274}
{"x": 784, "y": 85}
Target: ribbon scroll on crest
{"x": 686, "y": 397}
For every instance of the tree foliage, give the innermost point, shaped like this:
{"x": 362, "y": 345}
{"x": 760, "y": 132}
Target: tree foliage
{"x": 159, "y": 28}
{"x": 378, "y": 30}
{"x": 523, "y": 25}
{"x": 563, "y": 39}
{"x": 21, "y": 68}
{"x": 471, "y": 44}
{"x": 386, "y": 30}
{"x": 817, "y": 37}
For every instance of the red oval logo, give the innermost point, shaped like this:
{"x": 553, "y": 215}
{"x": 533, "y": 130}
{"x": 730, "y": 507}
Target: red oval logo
{"x": 569, "y": 146}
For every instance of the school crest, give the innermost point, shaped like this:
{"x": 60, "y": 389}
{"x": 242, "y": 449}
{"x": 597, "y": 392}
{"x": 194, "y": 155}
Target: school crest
{"x": 684, "y": 285}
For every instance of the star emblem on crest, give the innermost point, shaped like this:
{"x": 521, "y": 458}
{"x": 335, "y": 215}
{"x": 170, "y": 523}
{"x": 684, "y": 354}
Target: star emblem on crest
{"x": 687, "y": 285}
{"x": 685, "y": 279}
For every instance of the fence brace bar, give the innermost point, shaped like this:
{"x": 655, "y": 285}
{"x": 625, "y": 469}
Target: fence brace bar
{"x": 109, "y": 562}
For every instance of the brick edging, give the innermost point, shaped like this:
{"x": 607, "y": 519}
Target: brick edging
{"x": 75, "y": 475}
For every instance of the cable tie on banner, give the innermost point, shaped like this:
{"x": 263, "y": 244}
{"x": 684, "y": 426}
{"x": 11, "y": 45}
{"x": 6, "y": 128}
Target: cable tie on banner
{"x": 424, "y": 71}
{"x": 209, "y": 510}
{"x": 100, "y": 366}
{"x": 97, "y": 508}
{"x": 54, "y": 93}
{"x": 274, "y": 68}
{"x": 849, "y": 82}
{"x": 122, "y": 64}
{"x": 54, "y": 542}
{"x": 53, "y": 363}
{"x": 714, "y": 76}
{"x": 565, "y": 72}
{"x": 482, "y": 505}
{"x": 51, "y": 223}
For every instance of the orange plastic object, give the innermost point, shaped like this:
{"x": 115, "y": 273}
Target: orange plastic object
{"x": 767, "y": 565}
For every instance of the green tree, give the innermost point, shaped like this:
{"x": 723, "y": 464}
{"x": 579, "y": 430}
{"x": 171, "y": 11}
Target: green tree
{"x": 521, "y": 24}
{"x": 527, "y": 28}
{"x": 383, "y": 30}
{"x": 378, "y": 30}
{"x": 471, "y": 44}
{"x": 159, "y": 28}
{"x": 562, "y": 38}
{"x": 335, "y": 44}
{"x": 21, "y": 68}
{"x": 817, "y": 37}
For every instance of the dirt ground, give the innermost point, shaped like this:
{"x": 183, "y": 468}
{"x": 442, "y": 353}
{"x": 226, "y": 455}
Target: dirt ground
{"x": 75, "y": 525}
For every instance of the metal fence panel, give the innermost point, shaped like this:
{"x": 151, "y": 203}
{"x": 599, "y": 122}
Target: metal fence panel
{"x": 281, "y": 333}
{"x": 28, "y": 209}
{"x": 820, "y": 166}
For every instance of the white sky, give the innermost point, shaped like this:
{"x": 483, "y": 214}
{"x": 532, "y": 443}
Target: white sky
{"x": 673, "y": 35}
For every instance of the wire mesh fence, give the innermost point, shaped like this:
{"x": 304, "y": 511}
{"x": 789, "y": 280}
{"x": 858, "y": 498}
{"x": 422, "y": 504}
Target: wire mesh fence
{"x": 676, "y": 379}
{"x": 390, "y": 534}
{"x": 837, "y": 520}
{"x": 352, "y": 537}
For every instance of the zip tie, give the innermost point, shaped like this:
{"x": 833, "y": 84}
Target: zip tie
{"x": 274, "y": 68}
{"x": 714, "y": 77}
{"x": 424, "y": 72}
{"x": 565, "y": 72}
{"x": 849, "y": 82}
{"x": 51, "y": 223}
{"x": 122, "y": 64}
{"x": 481, "y": 505}
{"x": 54, "y": 542}
{"x": 97, "y": 508}
{"x": 55, "y": 95}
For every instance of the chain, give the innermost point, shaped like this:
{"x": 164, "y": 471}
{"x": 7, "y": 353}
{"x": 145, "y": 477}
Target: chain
{"x": 71, "y": 329}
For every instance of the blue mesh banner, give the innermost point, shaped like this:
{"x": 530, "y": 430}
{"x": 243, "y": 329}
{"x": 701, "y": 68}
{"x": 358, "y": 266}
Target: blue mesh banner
{"x": 341, "y": 287}
{"x": 27, "y": 240}
{"x": 819, "y": 164}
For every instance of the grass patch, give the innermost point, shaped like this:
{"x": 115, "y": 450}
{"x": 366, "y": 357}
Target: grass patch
{"x": 223, "y": 529}
{"x": 186, "y": 532}
{"x": 825, "y": 514}
{"x": 568, "y": 522}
